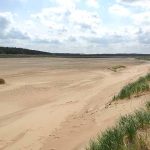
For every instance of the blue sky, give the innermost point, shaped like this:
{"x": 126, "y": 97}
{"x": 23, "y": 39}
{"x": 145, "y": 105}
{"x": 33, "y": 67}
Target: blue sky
{"x": 76, "y": 26}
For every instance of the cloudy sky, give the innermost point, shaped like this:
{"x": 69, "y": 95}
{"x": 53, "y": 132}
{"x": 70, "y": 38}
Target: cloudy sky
{"x": 76, "y": 26}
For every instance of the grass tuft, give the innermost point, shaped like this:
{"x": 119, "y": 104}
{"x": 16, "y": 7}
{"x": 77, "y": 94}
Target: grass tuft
{"x": 148, "y": 105}
{"x": 2, "y": 81}
{"x": 135, "y": 88}
{"x": 115, "y": 68}
{"x": 124, "y": 136}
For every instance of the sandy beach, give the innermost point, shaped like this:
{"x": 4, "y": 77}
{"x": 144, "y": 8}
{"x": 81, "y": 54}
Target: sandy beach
{"x": 59, "y": 103}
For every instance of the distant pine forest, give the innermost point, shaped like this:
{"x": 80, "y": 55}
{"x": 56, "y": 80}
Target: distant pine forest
{"x": 21, "y": 52}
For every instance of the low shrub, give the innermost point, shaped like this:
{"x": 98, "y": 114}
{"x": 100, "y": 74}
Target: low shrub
{"x": 2, "y": 81}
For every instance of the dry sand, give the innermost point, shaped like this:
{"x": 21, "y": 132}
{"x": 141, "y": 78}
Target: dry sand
{"x": 58, "y": 103}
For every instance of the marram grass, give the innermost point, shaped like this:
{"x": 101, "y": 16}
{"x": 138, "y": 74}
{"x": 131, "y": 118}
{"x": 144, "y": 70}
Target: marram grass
{"x": 115, "y": 68}
{"x": 148, "y": 105}
{"x": 124, "y": 135}
{"x": 135, "y": 88}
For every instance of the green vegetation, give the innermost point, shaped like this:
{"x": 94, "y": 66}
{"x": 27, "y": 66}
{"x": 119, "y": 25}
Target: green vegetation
{"x": 135, "y": 88}
{"x": 148, "y": 105}
{"x": 131, "y": 131}
{"x": 116, "y": 68}
{"x": 126, "y": 134}
{"x": 144, "y": 58}
{"x": 9, "y": 52}
{"x": 20, "y": 51}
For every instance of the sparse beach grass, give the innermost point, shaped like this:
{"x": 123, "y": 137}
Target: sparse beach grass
{"x": 116, "y": 68}
{"x": 144, "y": 58}
{"x": 126, "y": 134}
{"x": 148, "y": 105}
{"x": 135, "y": 88}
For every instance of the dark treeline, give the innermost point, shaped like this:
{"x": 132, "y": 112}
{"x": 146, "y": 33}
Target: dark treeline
{"x": 17, "y": 52}
{"x": 21, "y": 51}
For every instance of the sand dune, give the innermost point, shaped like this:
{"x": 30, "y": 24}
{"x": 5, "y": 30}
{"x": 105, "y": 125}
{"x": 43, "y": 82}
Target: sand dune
{"x": 58, "y": 103}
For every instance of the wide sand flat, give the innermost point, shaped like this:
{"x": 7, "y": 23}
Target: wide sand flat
{"x": 58, "y": 103}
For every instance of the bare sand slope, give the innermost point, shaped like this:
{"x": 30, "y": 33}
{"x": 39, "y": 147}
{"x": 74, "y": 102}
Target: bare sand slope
{"x": 59, "y": 104}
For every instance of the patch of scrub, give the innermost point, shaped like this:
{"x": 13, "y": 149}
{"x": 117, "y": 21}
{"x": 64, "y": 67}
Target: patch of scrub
{"x": 116, "y": 68}
{"x": 2, "y": 81}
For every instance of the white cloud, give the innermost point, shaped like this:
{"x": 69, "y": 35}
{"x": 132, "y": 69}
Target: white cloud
{"x": 119, "y": 10}
{"x": 142, "y": 18}
{"x": 66, "y": 27}
{"x": 69, "y": 4}
{"x": 8, "y": 30}
{"x": 8, "y": 16}
{"x": 93, "y": 3}
{"x": 145, "y": 4}
{"x": 61, "y": 23}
